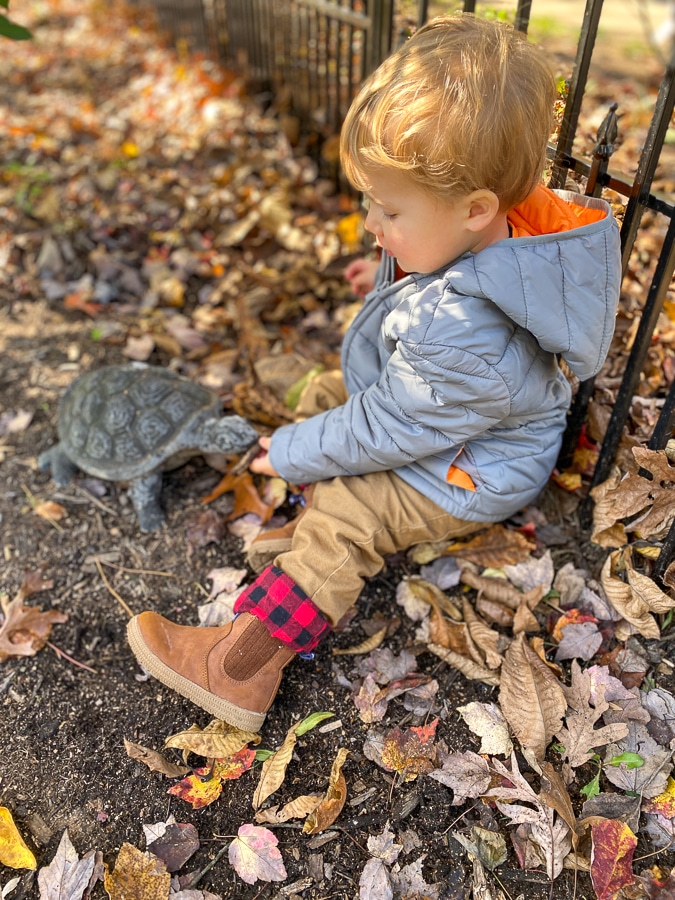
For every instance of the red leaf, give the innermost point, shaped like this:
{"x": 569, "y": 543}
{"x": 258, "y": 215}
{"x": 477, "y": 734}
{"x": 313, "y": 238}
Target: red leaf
{"x": 611, "y": 857}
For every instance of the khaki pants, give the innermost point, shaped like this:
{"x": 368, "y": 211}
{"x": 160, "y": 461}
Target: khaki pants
{"x": 355, "y": 521}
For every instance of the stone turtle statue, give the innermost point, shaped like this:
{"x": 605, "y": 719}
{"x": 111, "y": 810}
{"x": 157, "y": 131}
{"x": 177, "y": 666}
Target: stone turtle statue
{"x": 131, "y": 422}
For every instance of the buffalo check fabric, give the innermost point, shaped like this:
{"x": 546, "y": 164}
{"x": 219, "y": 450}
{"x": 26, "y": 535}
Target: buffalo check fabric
{"x": 286, "y": 610}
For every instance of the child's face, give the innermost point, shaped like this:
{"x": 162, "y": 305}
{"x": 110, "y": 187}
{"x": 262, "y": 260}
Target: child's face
{"x": 423, "y": 232}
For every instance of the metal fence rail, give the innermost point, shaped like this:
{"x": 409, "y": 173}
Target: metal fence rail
{"x": 315, "y": 53}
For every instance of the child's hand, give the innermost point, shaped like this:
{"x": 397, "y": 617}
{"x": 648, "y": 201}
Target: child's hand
{"x": 261, "y": 464}
{"x": 361, "y": 275}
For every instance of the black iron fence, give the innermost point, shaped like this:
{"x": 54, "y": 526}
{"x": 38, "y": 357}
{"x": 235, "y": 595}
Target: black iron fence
{"x": 315, "y": 53}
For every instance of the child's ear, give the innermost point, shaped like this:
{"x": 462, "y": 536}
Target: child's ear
{"x": 482, "y": 208}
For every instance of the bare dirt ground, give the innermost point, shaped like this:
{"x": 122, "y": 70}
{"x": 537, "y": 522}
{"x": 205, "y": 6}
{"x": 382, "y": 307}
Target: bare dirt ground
{"x": 65, "y": 712}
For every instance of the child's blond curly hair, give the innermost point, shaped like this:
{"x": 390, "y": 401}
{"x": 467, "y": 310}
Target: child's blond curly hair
{"x": 465, "y": 104}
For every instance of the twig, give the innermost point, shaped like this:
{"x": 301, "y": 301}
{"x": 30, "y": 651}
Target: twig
{"x": 92, "y": 499}
{"x": 197, "y": 878}
{"x": 32, "y": 499}
{"x": 60, "y": 652}
{"x": 117, "y": 597}
{"x": 112, "y": 565}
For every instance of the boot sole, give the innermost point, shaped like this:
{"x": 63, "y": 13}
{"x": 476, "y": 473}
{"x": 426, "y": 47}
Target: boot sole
{"x": 245, "y": 719}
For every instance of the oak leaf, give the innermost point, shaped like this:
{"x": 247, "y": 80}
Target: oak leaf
{"x": 548, "y": 830}
{"x": 26, "y": 629}
{"x": 531, "y": 697}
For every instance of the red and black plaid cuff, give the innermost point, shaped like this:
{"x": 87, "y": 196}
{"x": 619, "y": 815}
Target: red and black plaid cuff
{"x": 285, "y": 609}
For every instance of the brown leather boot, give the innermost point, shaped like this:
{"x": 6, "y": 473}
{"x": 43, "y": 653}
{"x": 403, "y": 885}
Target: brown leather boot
{"x": 267, "y": 546}
{"x": 233, "y": 672}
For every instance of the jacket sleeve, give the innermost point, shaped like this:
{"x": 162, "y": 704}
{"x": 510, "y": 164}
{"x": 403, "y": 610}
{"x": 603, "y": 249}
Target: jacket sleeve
{"x": 429, "y": 399}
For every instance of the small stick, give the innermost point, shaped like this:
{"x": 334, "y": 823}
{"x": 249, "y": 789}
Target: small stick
{"x": 117, "y": 597}
{"x": 60, "y": 652}
{"x": 112, "y": 565}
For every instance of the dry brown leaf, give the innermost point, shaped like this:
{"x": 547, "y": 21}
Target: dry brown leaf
{"x": 625, "y": 600}
{"x": 26, "y": 629}
{"x": 246, "y": 497}
{"x": 495, "y": 612}
{"x": 499, "y": 590}
{"x": 372, "y": 643}
{"x": 295, "y": 809}
{"x": 607, "y": 531}
{"x": 466, "y": 666}
{"x": 494, "y": 548}
{"x": 483, "y": 636}
{"x": 531, "y": 697}
{"x": 218, "y": 740}
{"x": 430, "y": 593}
{"x": 274, "y": 768}
{"x": 144, "y": 871}
{"x": 334, "y": 799}
{"x": 524, "y": 620}
{"x": 154, "y": 760}
{"x": 51, "y": 511}
{"x": 579, "y": 737}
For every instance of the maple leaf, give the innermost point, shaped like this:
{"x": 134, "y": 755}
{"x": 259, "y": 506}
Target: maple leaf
{"x": 255, "y": 856}
{"x": 67, "y": 876}
{"x": 199, "y": 790}
{"x": 235, "y": 765}
{"x": 411, "y": 752}
{"x": 13, "y": 849}
{"x": 611, "y": 857}
{"x": 663, "y": 804}
{"x": 246, "y": 497}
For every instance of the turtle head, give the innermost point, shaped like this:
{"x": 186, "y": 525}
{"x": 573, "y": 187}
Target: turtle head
{"x": 229, "y": 435}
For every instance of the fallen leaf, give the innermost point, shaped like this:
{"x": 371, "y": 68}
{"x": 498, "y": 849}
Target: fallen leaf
{"x": 410, "y": 752}
{"x": 13, "y": 849}
{"x": 496, "y": 547}
{"x": 648, "y": 780}
{"x": 579, "y": 737}
{"x": 199, "y": 790}
{"x": 330, "y": 807}
{"x": 488, "y": 846}
{"x": 467, "y": 774}
{"x": 530, "y": 697}
{"x": 467, "y": 667}
{"x": 137, "y": 874}
{"x": 176, "y": 845}
{"x": 375, "y": 881}
{"x": 487, "y": 721}
{"x": 26, "y": 629}
{"x": 154, "y": 760}
{"x": 294, "y": 809}
{"x": 218, "y": 740}
{"x": 254, "y": 854}
{"x": 611, "y": 857}
{"x": 383, "y": 846}
{"x": 67, "y": 876}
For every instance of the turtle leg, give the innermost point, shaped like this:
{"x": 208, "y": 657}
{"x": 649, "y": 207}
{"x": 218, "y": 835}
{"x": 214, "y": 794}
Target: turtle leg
{"x": 144, "y": 493}
{"x": 62, "y": 466}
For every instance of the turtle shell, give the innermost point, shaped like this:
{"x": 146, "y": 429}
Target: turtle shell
{"x": 122, "y": 422}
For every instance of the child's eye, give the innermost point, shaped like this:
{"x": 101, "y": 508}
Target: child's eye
{"x": 389, "y": 216}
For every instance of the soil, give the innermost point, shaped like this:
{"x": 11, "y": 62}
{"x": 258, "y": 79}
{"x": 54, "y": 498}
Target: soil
{"x": 64, "y": 719}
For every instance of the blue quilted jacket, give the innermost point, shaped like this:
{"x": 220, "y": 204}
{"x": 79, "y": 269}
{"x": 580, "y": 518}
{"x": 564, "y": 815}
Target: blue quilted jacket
{"x": 458, "y": 370}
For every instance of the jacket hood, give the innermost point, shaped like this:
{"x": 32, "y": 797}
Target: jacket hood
{"x": 559, "y": 276}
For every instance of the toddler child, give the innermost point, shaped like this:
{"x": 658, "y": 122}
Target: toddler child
{"x": 451, "y": 405}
